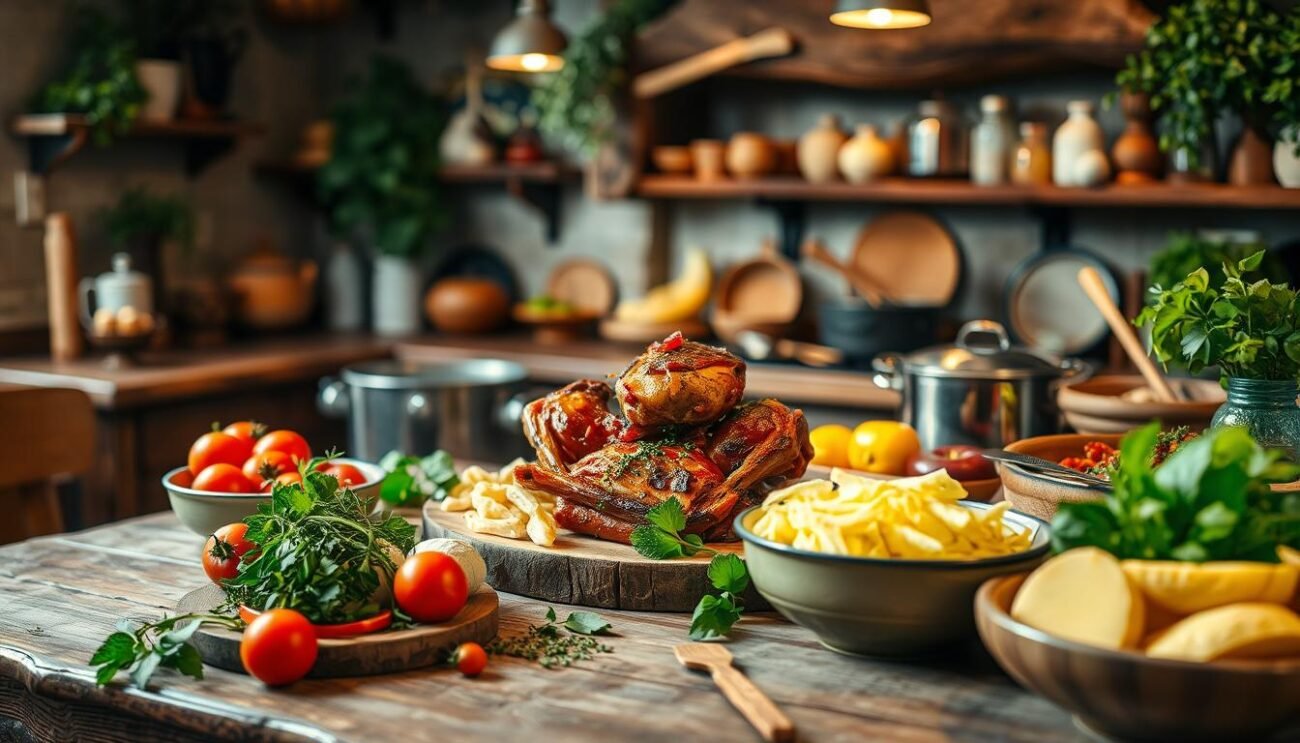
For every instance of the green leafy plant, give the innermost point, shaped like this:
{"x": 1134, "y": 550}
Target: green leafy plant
{"x": 1207, "y": 56}
{"x": 412, "y": 480}
{"x": 381, "y": 181}
{"x": 1209, "y": 501}
{"x": 98, "y": 79}
{"x": 1250, "y": 330}
{"x": 1187, "y": 252}
{"x": 576, "y": 104}
{"x": 141, "y": 216}
{"x": 551, "y": 648}
{"x": 140, "y": 651}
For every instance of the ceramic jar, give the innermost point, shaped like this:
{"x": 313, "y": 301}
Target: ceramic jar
{"x": 1136, "y": 152}
{"x": 750, "y": 155}
{"x": 1032, "y": 162}
{"x": 992, "y": 142}
{"x": 708, "y": 156}
{"x": 395, "y": 296}
{"x": 1090, "y": 169}
{"x": 272, "y": 291}
{"x": 818, "y": 150}
{"x": 1286, "y": 165}
{"x": 866, "y": 156}
{"x": 1252, "y": 160}
{"x": 161, "y": 80}
{"x": 1079, "y": 134}
{"x": 937, "y": 142}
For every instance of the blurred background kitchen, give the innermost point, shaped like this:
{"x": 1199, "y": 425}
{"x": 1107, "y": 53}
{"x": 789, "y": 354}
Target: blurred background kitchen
{"x": 217, "y": 205}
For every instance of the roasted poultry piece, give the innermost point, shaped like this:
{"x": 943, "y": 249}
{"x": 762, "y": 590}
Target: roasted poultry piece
{"x": 571, "y": 423}
{"x": 677, "y": 382}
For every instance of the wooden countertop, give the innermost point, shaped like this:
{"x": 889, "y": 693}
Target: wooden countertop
{"x": 64, "y": 594}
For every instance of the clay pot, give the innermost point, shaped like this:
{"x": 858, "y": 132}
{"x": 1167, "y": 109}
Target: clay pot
{"x": 787, "y": 156}
{"x": 467, "y": 305}
{"x": 866, "y": 156}
{"x": 750, "y": 155}
{"x": 1252, "y": 160}
{"x": 1136, "y": 153}
{"x": 708, "y": 156}
{"x": 818, "y": 150}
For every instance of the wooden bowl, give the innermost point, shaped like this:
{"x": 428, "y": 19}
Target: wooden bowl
{"x": 674, "y": 159}
{"x": 764, "y": 289}
{"x": 1126, "y": 695}
{"x": 1097, "y": 405}
{"x": 467, "y": 305}
{"x": 1036, "y": 495}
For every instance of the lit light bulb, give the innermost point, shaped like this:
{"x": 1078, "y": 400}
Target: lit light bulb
{"x": 533, "y": 62}
{"x": 883, "y": 17}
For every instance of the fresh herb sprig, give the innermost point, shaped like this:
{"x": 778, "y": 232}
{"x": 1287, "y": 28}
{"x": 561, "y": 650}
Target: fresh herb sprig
{"x": 411, "y": 480}
{"x": 163, "y": 644}
{"x": 660, "y": 538}
{"x": 1210, "y": 500}
{"x": 551, "y": 648}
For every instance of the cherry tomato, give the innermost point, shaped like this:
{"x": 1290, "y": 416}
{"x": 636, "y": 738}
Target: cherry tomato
{"x": 288, "y": 442}
{"x": 347, "y": 475}
{"x": 279, "y": 647}
{"x": 222, "y": 551}
{"x": 249, "y": 431}
{"x": 469, "y": 658}
{"x": 289, "y": 478}
{"x": 265, "y": 467}
{"x": 218, "y": 448}
{"x": 223, "y": 478}
{"x": 431, "y": 587}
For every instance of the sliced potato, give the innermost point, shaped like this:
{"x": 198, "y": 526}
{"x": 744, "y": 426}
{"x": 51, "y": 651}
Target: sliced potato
{"x": 1186, "y": 588}
{"x": 1083, "y": 595}
{"x": 1249, "y": 630}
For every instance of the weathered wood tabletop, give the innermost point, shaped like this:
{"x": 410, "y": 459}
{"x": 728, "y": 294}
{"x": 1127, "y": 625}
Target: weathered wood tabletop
{"x": 62, "y": 595}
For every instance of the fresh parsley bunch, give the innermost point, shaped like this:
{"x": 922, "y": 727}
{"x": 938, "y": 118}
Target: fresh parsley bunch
{"x": 1210, "y": 500}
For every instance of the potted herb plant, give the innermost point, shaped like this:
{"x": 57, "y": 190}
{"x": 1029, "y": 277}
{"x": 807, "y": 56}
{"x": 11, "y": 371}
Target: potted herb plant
{"x": 1251, "y": 331}
{"x": 381, "y": 185}
{"x": 1186, "y": 251}
{"x": 1209, "y": 56}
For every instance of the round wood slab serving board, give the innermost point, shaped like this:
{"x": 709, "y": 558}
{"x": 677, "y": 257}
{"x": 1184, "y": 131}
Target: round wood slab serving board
{"x": 368, "y": 655}
{"x": 586, "y": 571}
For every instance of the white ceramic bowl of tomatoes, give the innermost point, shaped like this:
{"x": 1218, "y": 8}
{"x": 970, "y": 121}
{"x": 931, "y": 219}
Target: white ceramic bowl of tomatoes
{"x": 231, "y": 471}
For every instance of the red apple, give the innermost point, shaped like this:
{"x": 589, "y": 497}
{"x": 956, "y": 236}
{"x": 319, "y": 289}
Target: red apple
{"x": 961, "y": 461}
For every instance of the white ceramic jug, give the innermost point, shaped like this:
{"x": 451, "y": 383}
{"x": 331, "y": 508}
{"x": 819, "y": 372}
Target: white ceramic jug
{"x": 1079, "y": 134}
{"x": 116, "y": 289}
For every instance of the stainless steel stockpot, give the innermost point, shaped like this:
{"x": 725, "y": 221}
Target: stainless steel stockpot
{"x": 980, "y": 390}
{"x": 464, "y": 407}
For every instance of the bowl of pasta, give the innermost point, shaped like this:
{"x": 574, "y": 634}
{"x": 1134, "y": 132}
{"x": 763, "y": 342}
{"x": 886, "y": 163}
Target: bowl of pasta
{"x": 884, "y": 567}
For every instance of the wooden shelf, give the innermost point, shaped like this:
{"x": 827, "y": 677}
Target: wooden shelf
{"x": 542, "y": 172}
{"x": 961, "y": 192}
{"x": 53, "y": 138}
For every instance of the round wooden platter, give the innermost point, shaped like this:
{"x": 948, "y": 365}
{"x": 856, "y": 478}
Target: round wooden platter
{"x": 586, "y": 571}
{"x": 367, "y": 655}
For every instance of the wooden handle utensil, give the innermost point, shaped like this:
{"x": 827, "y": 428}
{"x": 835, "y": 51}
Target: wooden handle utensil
{"x": 774, "y": 42}
{"x": 1095, "y": 288}
{"x": 813, "y": 249}
{"x": 762, "y": 713}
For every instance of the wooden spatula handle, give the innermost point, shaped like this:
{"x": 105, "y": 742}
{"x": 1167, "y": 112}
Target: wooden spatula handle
{"x": 774, "y": 42}
{"x": 814, "y": 250}
{"x": 1095, "y": 288}
{"x": 766, "y": 717}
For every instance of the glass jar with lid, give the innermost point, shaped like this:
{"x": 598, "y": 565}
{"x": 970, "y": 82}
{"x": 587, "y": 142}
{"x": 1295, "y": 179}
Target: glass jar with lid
{"x": 1032, "y": 164}
{"x": 992, "y": 142}
{"x": 937, "y": 141}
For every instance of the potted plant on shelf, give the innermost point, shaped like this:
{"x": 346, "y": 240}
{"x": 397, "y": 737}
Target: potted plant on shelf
{"x": 1251, "y": 331}
{"x": 1209, "y": 56}
{"x": 98, "y": 81}
{"x": 381, "y": 185}
{"x": 210, "y": 50}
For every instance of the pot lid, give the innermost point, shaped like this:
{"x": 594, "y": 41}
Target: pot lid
{"x": 392, "y": 374}
{"x": 982, "y": 350}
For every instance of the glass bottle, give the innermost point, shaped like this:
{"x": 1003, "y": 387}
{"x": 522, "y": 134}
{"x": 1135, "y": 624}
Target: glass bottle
{"x": 1033, "y": 158}
{"x": 1267, "y": 408}
{"x": 937, "y": 141}
{"x": 992, "y": 142}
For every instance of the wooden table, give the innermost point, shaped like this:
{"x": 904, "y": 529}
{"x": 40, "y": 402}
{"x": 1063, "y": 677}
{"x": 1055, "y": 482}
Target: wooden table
{"x": 63, "y": 595}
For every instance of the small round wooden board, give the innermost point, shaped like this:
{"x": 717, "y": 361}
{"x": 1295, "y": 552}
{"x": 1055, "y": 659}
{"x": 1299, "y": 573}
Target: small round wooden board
{"x": 367, "y": 655}
{"x": 586, "y": 571}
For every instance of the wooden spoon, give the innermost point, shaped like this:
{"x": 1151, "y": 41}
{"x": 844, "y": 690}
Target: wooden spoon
{"x": 766, "y": 717}
{"x": 1095, "y": 288}
{"x": 813, "y": 249}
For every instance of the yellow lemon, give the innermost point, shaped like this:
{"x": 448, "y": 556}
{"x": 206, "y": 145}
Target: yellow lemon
{"x": 831, "y": 445}
{"x": 883, "y": 447}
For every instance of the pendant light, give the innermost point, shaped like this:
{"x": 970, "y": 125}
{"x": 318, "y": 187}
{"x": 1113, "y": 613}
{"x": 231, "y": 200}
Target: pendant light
{"x": 881, "y": 14}
{"x": 530, "y": 42}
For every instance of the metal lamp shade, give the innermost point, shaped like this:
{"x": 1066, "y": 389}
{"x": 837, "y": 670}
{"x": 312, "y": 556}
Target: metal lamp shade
{"x": 881, "y": 14}
{"x": 530, "y": 42}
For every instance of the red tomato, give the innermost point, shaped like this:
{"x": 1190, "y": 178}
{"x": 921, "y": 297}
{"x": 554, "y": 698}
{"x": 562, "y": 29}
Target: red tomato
{"x": 265, "y": 467}
{"x": 289, "y": 478}
{"x": 218, "y": 448}
{"x": 223, "y": 478}
{"x": 279, "y": 647}
{"x": 431, "y": 587}
{"x": 222, "y": 551}
{"x": 249, "y": 431}
{"x": 183, "y": 479}
{"x": 347, "y": 475}
{"x": 288, "y": 442}
{"x": 469, "y": 658}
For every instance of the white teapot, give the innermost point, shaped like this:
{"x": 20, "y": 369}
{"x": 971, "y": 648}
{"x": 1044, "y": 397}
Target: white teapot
{"x": 118, "y": 288}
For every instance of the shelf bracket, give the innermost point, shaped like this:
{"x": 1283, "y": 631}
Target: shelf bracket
{"x": 792, "y": 220}
{"x": 543, "y": 197}
{"x": 46, "y": 152}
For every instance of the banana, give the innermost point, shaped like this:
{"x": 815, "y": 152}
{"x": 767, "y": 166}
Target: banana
{"x": 678, "y": 300}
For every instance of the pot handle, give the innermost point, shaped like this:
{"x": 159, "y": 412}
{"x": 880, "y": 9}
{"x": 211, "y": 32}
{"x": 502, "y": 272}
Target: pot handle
{"x": 332, "y": 398}
{"x": 888, "y": 374}
{"x": 983, "y": 327}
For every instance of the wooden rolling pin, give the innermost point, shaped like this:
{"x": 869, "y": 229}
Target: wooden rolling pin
{"x": 774, "y": 42}
{"x": 1095, "y": 288}
{"x": 61, "y": 286}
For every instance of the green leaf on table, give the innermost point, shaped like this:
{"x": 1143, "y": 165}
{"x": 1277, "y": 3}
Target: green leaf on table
{"x": 668, "y": 516}
{"x": 713, "y": 618}
{"x": 727, "y": 573}
{"x": 187, "y": 660}
{"x": 655, "y": 543}
{"x": 587, "y": 623}
{"x": 117, "y": 652}
{"x": 550, "y": 614}
{"x": 143, "y": 670}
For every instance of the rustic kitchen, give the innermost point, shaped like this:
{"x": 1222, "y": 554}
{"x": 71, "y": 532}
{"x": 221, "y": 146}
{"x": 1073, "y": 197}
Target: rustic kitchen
{"x": 907, "y": 370}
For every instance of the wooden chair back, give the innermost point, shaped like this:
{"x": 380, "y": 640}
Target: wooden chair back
{"x": 44, "y": 434}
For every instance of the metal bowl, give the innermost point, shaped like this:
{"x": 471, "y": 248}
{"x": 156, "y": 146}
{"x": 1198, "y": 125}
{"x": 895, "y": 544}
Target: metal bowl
{"x": 878, "y": 606}
{"x": 203, "y": 513}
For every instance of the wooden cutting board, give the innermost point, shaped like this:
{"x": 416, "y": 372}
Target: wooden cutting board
{"x": 368, "y": 655}
{"x": 586, "y": 571}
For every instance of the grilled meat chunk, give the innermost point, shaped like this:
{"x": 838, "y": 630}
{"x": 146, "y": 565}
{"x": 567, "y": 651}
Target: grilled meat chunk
{"x": 677, "y": 382}
{"x": 570, "y": 423}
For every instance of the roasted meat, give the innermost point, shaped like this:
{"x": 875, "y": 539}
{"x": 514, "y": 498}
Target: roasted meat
{"x": 570, "y": 423}
{"x": 677, "y": 382}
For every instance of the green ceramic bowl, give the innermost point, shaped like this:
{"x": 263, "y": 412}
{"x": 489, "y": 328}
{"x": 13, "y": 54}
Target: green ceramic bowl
{"x": 203, "y": 512}
{"x": 876, "y": 606}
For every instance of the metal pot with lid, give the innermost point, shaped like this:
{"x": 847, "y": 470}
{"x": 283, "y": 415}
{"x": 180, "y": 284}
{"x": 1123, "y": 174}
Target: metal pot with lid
{"x": 468, "y": 408}
{"x": 980, "y": 390}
